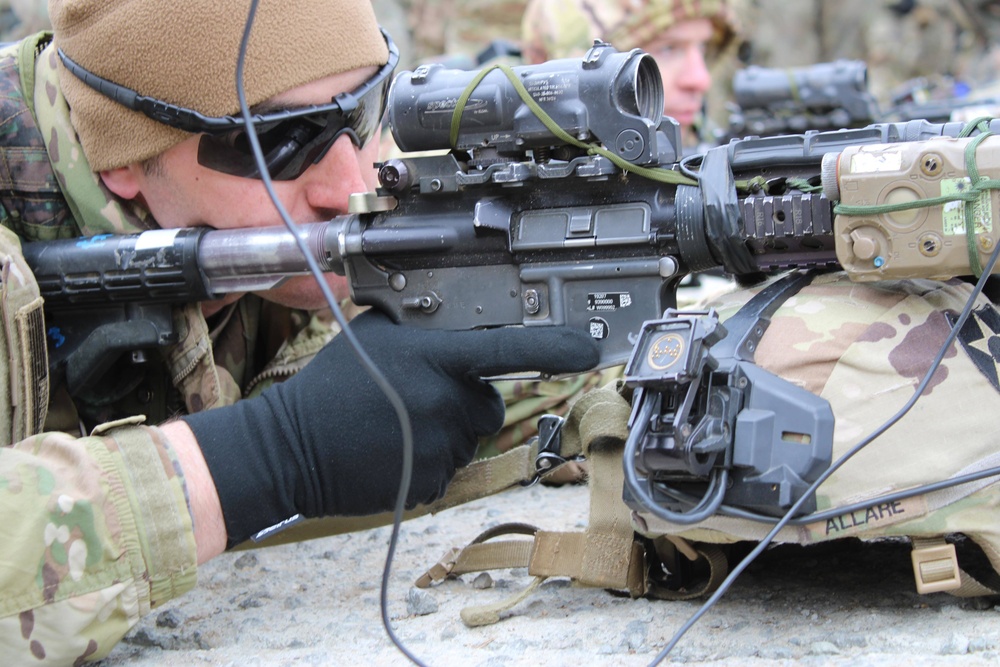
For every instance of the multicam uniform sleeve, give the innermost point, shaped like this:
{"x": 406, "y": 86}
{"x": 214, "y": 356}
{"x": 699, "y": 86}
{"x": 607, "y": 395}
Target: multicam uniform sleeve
{"x": 94, "y": 533}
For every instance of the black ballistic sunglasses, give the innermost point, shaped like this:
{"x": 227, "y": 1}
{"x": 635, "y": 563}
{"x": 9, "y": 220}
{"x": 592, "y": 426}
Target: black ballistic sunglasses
{"x": 291, "y": 139}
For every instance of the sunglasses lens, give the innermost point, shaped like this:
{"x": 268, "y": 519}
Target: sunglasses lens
{"x": 290, "y": 146}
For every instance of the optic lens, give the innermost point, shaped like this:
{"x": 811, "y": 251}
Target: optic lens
{"x": 648, "y": 90}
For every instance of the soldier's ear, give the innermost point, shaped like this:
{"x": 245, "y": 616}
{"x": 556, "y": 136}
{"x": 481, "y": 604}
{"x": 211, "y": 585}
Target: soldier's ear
{"x": 122, "y": 181}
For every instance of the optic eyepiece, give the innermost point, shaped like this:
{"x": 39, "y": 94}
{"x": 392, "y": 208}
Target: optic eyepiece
{"x": 643, "y": 95}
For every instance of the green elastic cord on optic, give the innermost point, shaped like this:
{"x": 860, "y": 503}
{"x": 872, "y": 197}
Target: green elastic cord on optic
{"x": 979, "y": 184}
{"x": 793, "y": 86}
{"x": 655, "y": 174}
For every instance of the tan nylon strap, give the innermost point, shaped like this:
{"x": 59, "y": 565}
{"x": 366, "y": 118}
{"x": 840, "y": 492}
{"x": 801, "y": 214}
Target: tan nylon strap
{"x": 480, "y": 556}
{"x": 683, "y": 546}
{"x": 29, "y": 377}
{"x": 606, "y": 554}
{"x": 440, "y": 570}
{"x": 612, "y": 556}
{"x": 593, "y": 559}
{"x": 558, "y": 554}
{"x": 479, "y": 479}
{"x": 501, "y": 555}
{"x": 599, "y": 417}
{"x": 936, "y": 569}
{"x": 972, "y": 588}
{"x": 486, "y": 477}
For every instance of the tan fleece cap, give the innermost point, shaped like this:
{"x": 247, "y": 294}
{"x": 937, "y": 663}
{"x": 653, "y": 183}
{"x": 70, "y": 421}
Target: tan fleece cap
{"x": 184, "y": 52}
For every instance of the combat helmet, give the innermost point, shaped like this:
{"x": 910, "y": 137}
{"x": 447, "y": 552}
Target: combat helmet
{"x": 566, "y": 28}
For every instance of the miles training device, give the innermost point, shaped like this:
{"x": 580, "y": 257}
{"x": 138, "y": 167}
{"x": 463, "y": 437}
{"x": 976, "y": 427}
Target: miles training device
{"x": 559, "y": 198}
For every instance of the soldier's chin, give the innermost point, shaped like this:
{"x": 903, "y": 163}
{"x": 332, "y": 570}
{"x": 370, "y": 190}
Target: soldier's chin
{"x": 685, "y": 118}
{"x": 303, "y": 292}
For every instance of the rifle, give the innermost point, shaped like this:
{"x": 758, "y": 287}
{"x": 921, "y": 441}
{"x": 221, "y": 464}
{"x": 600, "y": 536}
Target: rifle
{"x": 525, "y": 223}
{"x": 938, "y": 101}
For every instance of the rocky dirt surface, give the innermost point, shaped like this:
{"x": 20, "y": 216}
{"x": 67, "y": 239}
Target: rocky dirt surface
{"x": 317, "y": 603}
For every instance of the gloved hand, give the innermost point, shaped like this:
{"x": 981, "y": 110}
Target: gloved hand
{"x": 327, "y": 441}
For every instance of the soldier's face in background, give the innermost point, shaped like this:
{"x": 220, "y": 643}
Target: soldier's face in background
{"x": 680, "y": 53}
{"x": 180, "y": 192}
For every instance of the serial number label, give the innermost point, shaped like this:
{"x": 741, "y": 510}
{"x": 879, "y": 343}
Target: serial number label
{"x": 604, "y": 301}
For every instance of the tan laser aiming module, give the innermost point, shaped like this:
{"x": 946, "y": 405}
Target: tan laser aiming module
{"x": 925, "y": 242}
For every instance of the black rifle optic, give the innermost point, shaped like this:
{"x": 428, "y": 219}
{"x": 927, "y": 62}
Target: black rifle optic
{"x": 834, "y": 95}
{"x": 826, "y": 96}
{"x": 524, "y": 225}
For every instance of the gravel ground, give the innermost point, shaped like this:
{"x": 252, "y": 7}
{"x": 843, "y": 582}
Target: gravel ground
{"x": 317, "y": 603}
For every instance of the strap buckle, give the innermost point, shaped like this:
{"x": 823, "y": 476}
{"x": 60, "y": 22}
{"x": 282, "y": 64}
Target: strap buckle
{"x": 935, "y": 566}
{"x": 549, "y": 457}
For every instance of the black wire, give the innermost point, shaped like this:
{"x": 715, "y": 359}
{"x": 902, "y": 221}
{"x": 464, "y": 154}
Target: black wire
{"x": 703, "y": 508}
{"x": 840, "y": 510}
{"x": 363, "y": 358}
{"x": 685, "y": 165}
{"x": 834, "y": 512}
{"x": 729, "y": 580}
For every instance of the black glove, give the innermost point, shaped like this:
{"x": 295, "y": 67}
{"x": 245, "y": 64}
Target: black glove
{"x": 327, "y": 441}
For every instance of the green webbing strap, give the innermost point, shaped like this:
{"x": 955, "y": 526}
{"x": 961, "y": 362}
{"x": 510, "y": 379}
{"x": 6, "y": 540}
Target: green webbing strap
{"x": 26, "y": 54}
{"x": 660, "y": 175}
{"x": 802, "y": 184}
{"x": 978, "y": 185}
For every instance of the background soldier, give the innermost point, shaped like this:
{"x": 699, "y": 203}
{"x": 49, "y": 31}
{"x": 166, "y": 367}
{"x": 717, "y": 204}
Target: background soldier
{"x": 457, "y": 31}
{"x": 22, "y": 17}
{"x": 952, "y": 43}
